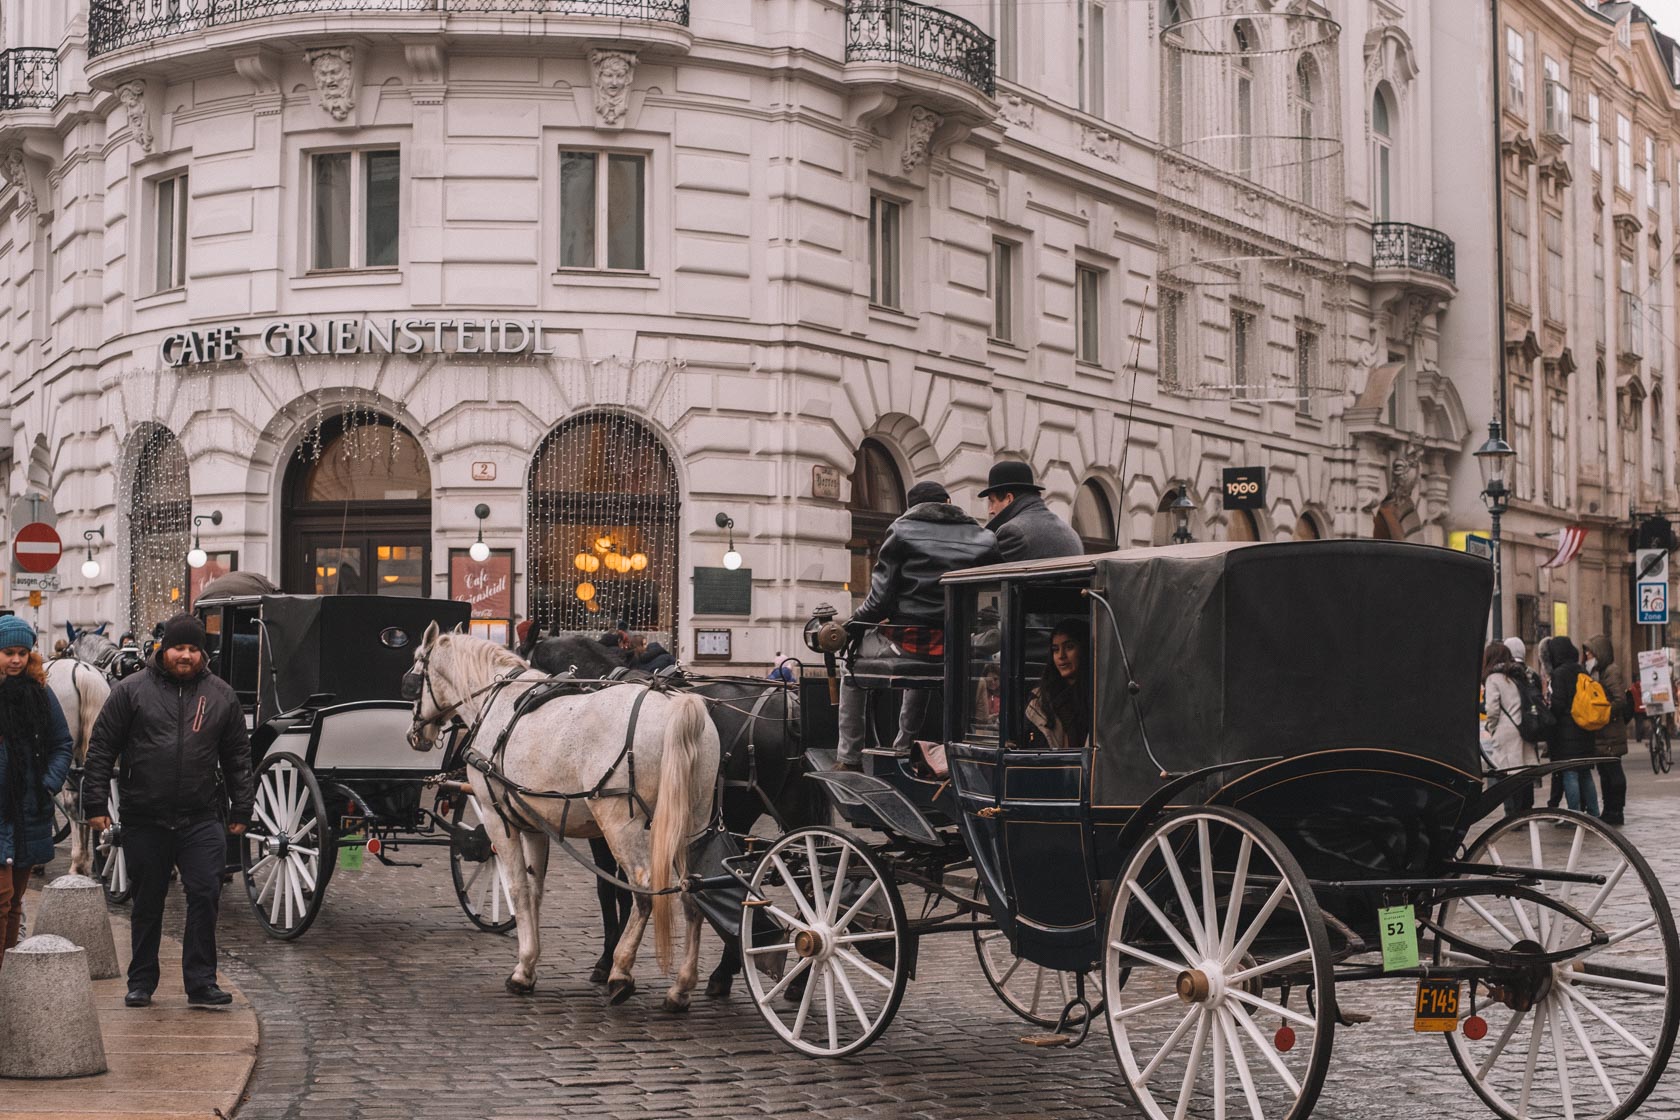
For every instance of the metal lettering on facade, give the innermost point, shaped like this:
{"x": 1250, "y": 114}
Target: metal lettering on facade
{"x": 336, "y": 337}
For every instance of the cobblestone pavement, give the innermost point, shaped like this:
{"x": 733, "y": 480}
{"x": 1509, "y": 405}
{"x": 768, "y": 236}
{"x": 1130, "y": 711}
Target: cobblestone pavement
{"x": 392, "y": 1005}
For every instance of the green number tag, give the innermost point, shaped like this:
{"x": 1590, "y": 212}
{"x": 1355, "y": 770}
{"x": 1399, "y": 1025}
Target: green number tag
{"x": 1399, "y": 938}
{"x": 350, "y": 859}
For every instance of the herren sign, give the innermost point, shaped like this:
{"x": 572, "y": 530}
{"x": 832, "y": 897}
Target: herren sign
{"x": 298, "y": 338}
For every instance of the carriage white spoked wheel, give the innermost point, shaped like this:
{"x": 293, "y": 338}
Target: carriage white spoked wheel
{"x": 288, "y": 852}
{"x": 111, "y": 867}
{"x": 480, "y": 883}
{"x": 828, "y": 969}
{"x": 1223, "y": 939}
{"x": 1035, "y": 993}
{"x": 1586, "y": 1039}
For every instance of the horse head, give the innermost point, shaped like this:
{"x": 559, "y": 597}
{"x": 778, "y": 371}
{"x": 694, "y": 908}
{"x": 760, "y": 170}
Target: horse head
{"x": 420, "y": 686}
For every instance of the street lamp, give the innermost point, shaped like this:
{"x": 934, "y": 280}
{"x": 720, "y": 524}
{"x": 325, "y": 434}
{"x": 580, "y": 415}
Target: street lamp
{"x": 1181, "y": 508}
{"x": 90, "y": 566}
{"x": 197, "y": 558}
{"x": 731, "y": 559}
{"x": 480, "y": 552}
{"x": 1492, "y": 457}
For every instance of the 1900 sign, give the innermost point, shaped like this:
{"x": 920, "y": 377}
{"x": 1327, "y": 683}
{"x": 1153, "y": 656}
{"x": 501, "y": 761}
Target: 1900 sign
{"x": 355, "y": 336}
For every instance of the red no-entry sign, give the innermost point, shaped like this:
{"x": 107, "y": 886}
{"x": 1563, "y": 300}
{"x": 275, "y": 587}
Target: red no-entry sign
{"x": 37, "y": 547}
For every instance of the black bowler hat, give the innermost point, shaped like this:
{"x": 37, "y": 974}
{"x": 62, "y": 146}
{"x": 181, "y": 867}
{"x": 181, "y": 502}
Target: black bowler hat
{"x": 1009, "y": 476}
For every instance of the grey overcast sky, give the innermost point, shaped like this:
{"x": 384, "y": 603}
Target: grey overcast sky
{"x": 1667, "y": 15}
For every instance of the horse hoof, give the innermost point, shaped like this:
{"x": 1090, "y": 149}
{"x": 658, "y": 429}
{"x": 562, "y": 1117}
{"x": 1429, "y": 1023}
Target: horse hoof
{"x": 620, "y": 990}
{"x": 520, "y": 989}
{"x": 678, "y": 1006}
{"x": 719, "y": 986}
{"x": 600, "y": 973}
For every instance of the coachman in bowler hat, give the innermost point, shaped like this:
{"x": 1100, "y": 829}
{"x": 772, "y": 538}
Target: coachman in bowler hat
{"x": 1025, "y": 527}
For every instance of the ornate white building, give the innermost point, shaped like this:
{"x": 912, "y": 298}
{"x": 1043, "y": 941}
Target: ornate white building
{"x": 345, "y": 270}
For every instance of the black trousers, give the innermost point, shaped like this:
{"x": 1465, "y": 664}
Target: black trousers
{"x": 1612, "y": 780}
{"x": 198, "y": 852}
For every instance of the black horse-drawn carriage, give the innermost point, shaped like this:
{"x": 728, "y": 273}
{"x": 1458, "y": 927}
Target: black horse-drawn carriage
{"x": 1278, "y": 799}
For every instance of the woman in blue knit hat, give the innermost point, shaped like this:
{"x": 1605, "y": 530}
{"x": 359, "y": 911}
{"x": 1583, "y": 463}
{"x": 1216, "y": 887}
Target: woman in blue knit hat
{"x": 34, "y": 761}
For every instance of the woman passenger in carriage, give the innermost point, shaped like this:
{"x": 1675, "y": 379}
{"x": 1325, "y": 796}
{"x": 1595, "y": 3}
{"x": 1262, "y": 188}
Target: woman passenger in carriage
{"x": 1059, "y": 713}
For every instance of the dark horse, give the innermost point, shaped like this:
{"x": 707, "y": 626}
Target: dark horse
{"x": 764, "y": 767}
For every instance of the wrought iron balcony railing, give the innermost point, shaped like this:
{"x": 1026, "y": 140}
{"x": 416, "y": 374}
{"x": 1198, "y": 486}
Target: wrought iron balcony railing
{"x": 28, "y": 78}
{"x": 113, "y": 24}
{"x": 1417, "y": 248}
{"x": 925, "y": 37}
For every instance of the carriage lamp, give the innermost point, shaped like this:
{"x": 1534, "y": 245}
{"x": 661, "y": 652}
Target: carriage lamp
{"x": 1493, "y": 457}
{"x": 731, "y": 559}
{"x": 90, "y": 566}
{"x": 197, "y": 558}
{"x": 480, "y": 552}
{"x": 1182, "y": 507}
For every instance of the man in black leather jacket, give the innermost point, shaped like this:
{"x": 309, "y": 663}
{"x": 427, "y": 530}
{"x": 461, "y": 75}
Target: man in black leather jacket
{"x": 929, "y": 539}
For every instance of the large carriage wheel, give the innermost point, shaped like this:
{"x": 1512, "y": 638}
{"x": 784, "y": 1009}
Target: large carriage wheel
{"x": 111, "y": 867}
{"x": 288, "y": 852}
{"x": 1230, "y": 994}
{"x": 1586, "y": 1039}
{"x": 476, "y": 868}
{"x": 1035, "y": 993}
{"x": 828, "y": 969}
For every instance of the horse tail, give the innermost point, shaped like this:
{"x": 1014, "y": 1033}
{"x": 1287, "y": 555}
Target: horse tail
{"x": 684, "y": 732}
{"x": 90, "y": 699}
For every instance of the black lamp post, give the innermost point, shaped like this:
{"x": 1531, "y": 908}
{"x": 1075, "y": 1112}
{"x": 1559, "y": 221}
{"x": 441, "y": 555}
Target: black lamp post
{"x": 1492, "y": 457}
{"x": 1182, "y": 507}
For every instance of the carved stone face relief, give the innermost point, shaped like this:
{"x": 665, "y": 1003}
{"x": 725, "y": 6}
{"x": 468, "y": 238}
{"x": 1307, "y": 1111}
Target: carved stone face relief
{"x": 333, "y": 68}
{"x": 918, "y": 136}
{"x": 613, "y": 72}
{"x": 133, "y": 99}
{"x": 12, "y": 165}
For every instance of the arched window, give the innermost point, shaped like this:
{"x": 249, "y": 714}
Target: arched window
{"x": 877, "y": 499}
{"x": 601, "y": 528}
{"x": 1242, "y": 526}
{"x": 1173, "y": 15}
{"x": 1382, "y": 155}
{"x": 159, "y": 527}
{"x": 1306, "y": 89}
{"x": 1306, "y": 528}
{"x": 1093, "y": 518}
{"x": 1243, "y": 43}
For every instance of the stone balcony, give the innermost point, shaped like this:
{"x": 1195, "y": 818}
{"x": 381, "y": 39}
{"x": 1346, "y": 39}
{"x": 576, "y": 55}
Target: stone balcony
{"x": 1415, "y": 258}
{"x": 942, "y": 58}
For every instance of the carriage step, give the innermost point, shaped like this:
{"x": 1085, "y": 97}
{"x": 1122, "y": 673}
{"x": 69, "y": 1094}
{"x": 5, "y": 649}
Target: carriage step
{"x": 885, "y": 752}
{"x": 1351, "y": 1018}
{"x": 1047, "y": 1040}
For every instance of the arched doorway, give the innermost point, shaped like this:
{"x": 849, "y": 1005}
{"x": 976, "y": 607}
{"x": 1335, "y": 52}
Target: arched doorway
{"x": 159, "y": 527}
{"x": 602, "y": 528}
{"x": 1093, "y": 518}
{"x": 877, "y": 499}
{"x": 1306, "y": 528}
{"x": 1242, "y": 527}
{"x": 357, "y": 513}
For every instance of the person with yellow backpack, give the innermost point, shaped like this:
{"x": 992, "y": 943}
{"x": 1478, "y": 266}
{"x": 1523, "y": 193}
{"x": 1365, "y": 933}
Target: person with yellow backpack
{"x": 1582, "y": 709}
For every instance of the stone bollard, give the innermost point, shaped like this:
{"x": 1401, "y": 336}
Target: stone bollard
{"x": 73, "y": 907}
{"x": 49, "y": 1026}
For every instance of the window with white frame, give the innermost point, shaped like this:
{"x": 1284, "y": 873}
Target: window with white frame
{"x": 1516, "y": 251}
{"x": 1306, "y": 89}
{"x": 1382, "y": 154}
{"x": 1516, "y": 78}
{"x": 1556, "y": 98}
{"x": 1600, "y": 414}
{"x": 1242, "y": 351}
{"x": 169, "y": 233}
{"x": 1522, "y": 439}
{"x": 1551, "y": 234}
{"x": 1006, "y": 27}
{"x": 1659, "y": 446}
{"x": 1628, "y": 322}
{"x": 1628, "y": 406}
{"x": 1650, "y": 173}
{"x": 1595, "y": 133}
{"x": 603, "y": 211}
{"x": 1171, "y": 327}
{"x": 886, "y": 222}
{"x": 1624, "y": 152}
{"x": 1244, "y": 41}
{"x": 1599, "y": 300}
{"x": 1306, "y": 370}
{"x": 1093, "y": 56}
{"x": 1172, "y": 113}
{"x": 1557, "y": 448}
{"x": 1624, "y": 32}
{"x": 1001, "y": 281}
{"x": 355, "y": 209}
{"x": 1653, "y": 327}
{"x": 1088, "y": 291}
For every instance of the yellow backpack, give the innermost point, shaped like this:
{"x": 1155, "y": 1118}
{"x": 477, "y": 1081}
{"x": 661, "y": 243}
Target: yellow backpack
{"x": 1591, "y": 707}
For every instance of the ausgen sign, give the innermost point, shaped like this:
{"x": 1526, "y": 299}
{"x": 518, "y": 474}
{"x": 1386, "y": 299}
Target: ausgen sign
{"x": 295, "y": 338}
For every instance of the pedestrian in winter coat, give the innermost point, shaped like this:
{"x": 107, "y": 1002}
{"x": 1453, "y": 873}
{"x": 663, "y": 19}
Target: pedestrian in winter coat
{"x": 175, "y": 736}
{"x": 1502, "y": 716}
{"x": 1611, "y": 742}
{"x": 1026, "y": 528}
{"x": 1570, "y": 740}
{"x": 34, "y": 761}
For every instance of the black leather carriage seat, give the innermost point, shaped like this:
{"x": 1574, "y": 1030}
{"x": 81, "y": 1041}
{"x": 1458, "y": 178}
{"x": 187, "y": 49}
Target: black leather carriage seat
{"x": 901, "y": 671}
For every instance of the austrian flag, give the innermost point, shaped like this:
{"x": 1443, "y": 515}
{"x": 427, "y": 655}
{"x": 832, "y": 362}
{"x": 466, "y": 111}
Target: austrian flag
{"x": 1570, "y": 540}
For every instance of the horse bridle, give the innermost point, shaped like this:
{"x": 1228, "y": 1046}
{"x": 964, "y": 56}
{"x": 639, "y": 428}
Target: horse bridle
{"x": 417, "y": 684}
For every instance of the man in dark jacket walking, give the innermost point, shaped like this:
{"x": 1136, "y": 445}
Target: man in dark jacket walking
{"x": 1611, "y": 739}
{"x": 175, "y": 735}
{"x": 1025, "y": 527}
{"x": 929, "y": 539}
{"x": 1570, "y": 740}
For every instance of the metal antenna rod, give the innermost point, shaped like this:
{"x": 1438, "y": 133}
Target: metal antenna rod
{"x": 1131, "y": 401}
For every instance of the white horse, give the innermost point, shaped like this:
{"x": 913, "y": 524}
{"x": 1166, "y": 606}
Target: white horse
{"x": 575, "y": 744}
{"x": 81, "y": 691}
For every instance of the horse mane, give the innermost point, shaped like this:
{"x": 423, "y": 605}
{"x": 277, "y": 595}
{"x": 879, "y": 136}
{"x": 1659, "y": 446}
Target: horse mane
{"x": 483, "y": 655}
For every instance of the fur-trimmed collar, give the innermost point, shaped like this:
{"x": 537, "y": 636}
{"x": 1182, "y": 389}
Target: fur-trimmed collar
{"x": 942, "y": 513}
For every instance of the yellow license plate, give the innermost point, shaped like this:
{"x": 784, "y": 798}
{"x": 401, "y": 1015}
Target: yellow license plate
{"x": 1437, "y": 1006}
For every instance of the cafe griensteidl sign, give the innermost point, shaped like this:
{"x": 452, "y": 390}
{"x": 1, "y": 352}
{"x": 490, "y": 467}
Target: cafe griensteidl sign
{"x": 292, "y": 338}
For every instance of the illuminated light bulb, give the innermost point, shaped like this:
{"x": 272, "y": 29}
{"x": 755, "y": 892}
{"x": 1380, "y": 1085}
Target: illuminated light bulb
{"x": 581, "y": 561}
{"x": 90, "y": 569}
{"x": 480, "y": 552}
{"x": 197, "y": 558}
{"x": 732, "y": 560}
{"x": 603, "y": 544}
{"x": 593, "y": 565}
{"x": 639, "y": 561}
{"x": 593, "y": 606}
{"x": 586, "y": 591}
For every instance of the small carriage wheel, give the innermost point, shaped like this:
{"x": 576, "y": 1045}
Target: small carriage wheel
{"x": 830, "y": 970}
{"x": 1590, "y": 1037}
{"x": 476, "y": 870}
{"x": 1220, "y": 932}
{"x": 287, "y": 854}
{"x": 111, "y": 868}
{"x": 1035, "y": 993}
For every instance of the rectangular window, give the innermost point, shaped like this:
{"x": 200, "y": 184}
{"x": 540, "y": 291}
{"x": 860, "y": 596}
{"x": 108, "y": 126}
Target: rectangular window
{"x": 1629, "y": 320}
{"x": 1242, "y": 329}
{"x": 1653, "y": 328}
{"x": 1557, "y": 448}
{"x": 1595, "y": 136}
{"x": 1659, "y": 450}
{"x": 1093, "y": 72}
{"x": 1556, "y": 94}
{"x": 1170, "y": 326}
{"x": 1552, "y": 234}
{"x": 1006, "y": 27}
{"x": 1516, "y": 252}
{"x": 885, "y": 222}
{"x": 1001, "y": 277}
{"x": 1650, "y": 173}
{"x": 1624, "y": 152}
{"x": 356, "y": 209}
{"x": 1599, "y": 299}
{"x": 603, "y": 211}
{"x": 1516, "y": 81}
{"x": 1088, "y": 313}
{"x": 169, "y": 246}
{"x": 1522, "y": 440}
{"x": 1306, "y": 370}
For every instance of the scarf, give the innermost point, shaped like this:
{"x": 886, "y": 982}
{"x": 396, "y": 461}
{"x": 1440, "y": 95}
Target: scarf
{"x": 24, "y": 725}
